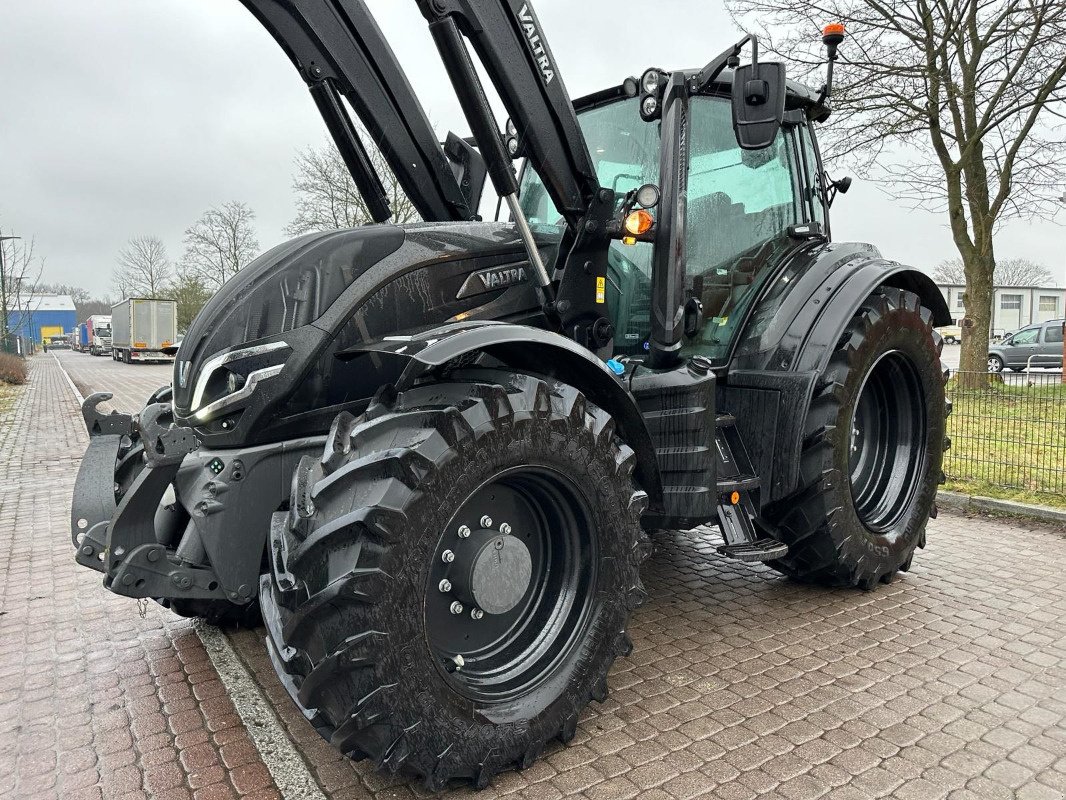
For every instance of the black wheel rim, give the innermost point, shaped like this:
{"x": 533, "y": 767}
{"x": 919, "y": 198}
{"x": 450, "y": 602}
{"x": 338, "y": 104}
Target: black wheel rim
{"x": 495, "y": 657}
{"x": 887, "y": 442}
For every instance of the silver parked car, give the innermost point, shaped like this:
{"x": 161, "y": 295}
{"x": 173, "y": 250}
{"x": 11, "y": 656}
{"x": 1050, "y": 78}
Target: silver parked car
{"x": 1038, "y": 345}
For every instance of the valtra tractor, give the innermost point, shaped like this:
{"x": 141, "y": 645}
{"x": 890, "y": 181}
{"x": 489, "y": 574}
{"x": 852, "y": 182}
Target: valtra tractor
{"x": 432, "y": 454}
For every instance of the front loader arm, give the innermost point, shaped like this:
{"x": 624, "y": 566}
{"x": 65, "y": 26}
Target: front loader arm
{"x": 338, "y": 49}
{"x": 508, "y": 39}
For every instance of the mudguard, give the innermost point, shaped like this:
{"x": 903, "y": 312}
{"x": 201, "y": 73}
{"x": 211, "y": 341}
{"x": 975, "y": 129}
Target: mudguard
{"x": 789, "y": 338}
{"x": 529, "y": 349}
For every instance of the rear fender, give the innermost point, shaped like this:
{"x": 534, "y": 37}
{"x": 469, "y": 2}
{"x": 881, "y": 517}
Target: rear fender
{"x": 528, "y": 349}
{"x": 796, "y": 324}
{"x": 789, "y": 338}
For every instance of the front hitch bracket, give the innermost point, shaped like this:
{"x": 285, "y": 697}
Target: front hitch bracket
{"x": 100, "y": 424}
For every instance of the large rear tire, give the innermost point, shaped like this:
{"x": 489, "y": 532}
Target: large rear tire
{"x": 872, "y": 450}
{"x": 453, "y": 582}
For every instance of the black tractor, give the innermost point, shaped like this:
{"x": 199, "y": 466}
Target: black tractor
{"x": 432, "y": 454}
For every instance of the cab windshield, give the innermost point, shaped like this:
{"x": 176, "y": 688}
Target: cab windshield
{"x": 740, "y": 205}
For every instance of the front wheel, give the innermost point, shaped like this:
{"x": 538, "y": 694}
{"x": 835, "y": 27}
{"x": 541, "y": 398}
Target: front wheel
{"x": 995, "y": 364}
{"x": 453, "y": 582}
{"x": 872, "y": 450}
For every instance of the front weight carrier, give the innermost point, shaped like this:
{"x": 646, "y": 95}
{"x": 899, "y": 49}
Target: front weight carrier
{"x": 120, "y": 539}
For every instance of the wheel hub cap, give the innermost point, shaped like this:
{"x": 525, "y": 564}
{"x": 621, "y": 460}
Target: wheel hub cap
{"x": 493, "y": 571}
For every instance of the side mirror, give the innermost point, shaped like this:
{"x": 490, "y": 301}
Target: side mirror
{"x": 758, "y": 104}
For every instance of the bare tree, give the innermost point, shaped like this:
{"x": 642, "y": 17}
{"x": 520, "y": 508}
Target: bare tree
{"x": 1008, "y": 272}
{"x": 326, "y": 197}
{"x": 1021, "y": 272}
{"x": 190, "y": 293}
{"x": 76, "y": 293}
{"x": 21, "y": 276}
{"x": 143, "y": 268}
{"x": 220, "y": 243}
{"x": 950, "y": 272}
{"x": 952, "y": 103}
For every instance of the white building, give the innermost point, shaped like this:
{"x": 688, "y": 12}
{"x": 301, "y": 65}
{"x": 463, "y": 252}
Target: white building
{"x": 1013, "y": 306}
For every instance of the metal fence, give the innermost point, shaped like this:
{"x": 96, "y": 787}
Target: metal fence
{"x": 1008, "y": 433}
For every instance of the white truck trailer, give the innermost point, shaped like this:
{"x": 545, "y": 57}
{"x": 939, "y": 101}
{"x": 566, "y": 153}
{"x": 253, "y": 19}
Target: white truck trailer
{"x": 141, "y": 327}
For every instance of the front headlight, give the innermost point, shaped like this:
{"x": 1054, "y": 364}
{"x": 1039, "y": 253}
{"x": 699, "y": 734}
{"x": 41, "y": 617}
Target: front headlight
{"x": 231, "y": 377}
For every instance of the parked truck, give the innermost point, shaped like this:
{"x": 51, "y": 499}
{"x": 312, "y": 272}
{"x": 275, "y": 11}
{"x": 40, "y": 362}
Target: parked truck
{"x": 142, "y": 327}
{"x": 81, "y": 338}
{"x": 98, "y": 334}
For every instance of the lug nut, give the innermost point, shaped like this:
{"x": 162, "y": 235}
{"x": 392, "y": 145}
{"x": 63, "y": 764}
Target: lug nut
{"x": 464, "y": 532}
{"x": 486, "y": 521}
{"x": 505, "y": 529}
{"x": 476, "y": 613}
{"x": 447, "y": 556}
{"x": 457, "y": 607}
{"x": 445, "y": 585}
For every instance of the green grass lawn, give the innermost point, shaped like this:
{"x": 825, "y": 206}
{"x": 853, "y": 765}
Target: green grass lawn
{"x": 1009, "y": 442}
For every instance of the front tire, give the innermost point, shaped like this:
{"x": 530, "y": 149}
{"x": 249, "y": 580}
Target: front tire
{"x": 389, "y": 554}
{"x": 872, "y": 451}
{"x": 995, "y": 364}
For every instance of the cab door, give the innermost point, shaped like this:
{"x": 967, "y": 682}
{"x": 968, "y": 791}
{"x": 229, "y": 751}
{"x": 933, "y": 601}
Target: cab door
{"x": 741, "y": 205}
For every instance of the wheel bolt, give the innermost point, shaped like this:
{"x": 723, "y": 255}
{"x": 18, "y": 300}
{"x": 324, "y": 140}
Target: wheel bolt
{"x": 457, "y": 607}
{"x": 476, "y": 613}
{"x": 447, "y": 556}
{"x": 486, "y": 521}
{"x": 464, "y": 532}
{"x": 505, "y": 529}
{"x": 445, "y": 585}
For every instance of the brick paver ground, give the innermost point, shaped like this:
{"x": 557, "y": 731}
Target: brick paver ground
{"x": 950, "y": 682}
{"x": 95, "y": 700}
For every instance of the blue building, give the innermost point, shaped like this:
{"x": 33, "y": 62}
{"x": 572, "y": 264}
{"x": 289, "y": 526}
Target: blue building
{"x": 34, "y": 316}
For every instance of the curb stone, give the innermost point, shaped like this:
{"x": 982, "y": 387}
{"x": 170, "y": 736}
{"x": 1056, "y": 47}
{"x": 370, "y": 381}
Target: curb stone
{"x": 976, "y": 504}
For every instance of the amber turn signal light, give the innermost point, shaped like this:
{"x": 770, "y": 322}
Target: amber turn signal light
{"x": 734, "y": 498}
{"x": 639, "y": 222}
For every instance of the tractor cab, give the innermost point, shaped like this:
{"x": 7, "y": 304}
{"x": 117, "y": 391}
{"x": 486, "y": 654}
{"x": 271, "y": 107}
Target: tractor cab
{"x": 745, "y": 210}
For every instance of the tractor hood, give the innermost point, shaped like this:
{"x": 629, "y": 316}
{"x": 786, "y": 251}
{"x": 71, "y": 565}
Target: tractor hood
{"x": 286, "y": 288}
{"x": 268, "y": 334}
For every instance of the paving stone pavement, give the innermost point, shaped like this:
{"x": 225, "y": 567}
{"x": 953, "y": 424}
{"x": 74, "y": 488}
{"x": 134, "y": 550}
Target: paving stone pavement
{"x": 948, "y": 683}
{"x": 95, "y": 701}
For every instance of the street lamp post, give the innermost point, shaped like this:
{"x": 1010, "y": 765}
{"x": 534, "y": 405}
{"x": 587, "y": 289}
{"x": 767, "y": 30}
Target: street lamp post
{"x": 3, "y": 292}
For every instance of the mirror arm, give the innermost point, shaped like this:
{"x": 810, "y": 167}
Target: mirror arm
{"x": 827, "y": 87}
{"x": 728, "y": 58}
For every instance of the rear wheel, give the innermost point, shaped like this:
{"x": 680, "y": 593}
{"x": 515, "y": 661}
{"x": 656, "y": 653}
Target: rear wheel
{"x": 872, "y": 450}
{"x": 453, "y": 583}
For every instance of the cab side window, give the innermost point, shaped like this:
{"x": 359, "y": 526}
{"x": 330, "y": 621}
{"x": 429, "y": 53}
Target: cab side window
{"x": 815, "y": 188}
{"x": 1053, "y": 333}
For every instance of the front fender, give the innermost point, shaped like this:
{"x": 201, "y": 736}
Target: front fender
{"x": 528, "y": 349}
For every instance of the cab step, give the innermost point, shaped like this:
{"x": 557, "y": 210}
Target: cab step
{"x": 759, "y": 550}
{"x": 737, "y": 483}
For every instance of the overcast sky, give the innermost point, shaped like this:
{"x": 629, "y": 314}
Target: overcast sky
{"x": 129, "y": 117}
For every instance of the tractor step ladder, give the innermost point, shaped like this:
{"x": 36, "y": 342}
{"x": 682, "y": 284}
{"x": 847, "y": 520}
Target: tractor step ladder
{"x": 736, "y": 482}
